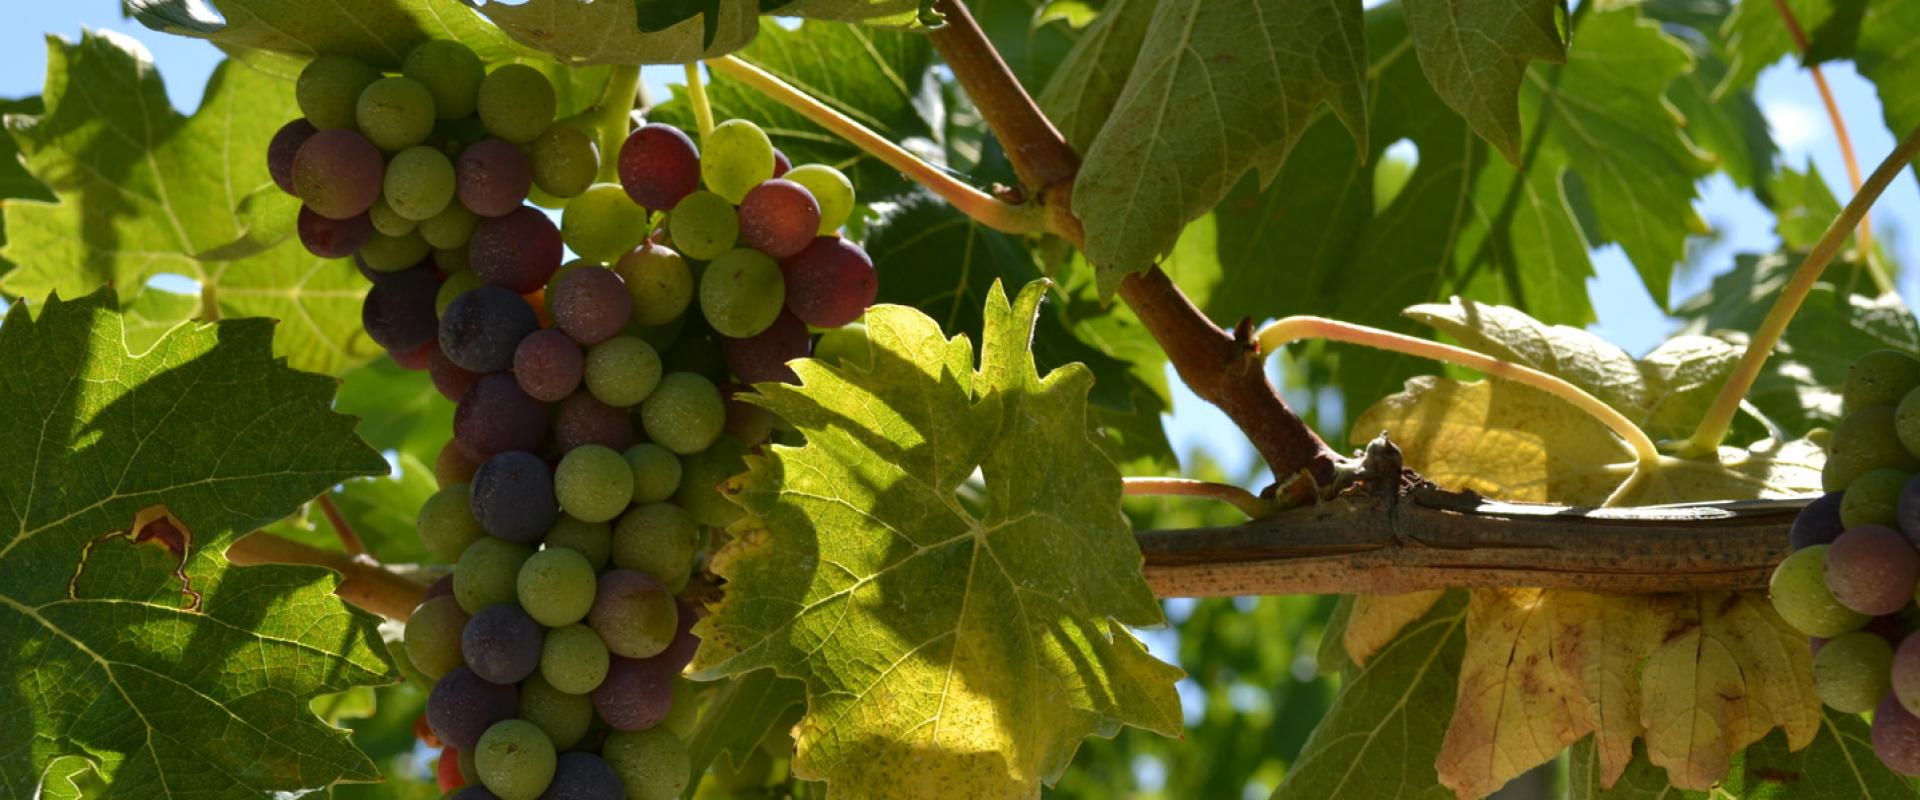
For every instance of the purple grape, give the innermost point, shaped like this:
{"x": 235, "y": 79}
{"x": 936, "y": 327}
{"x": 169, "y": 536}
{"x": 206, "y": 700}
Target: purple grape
{"x": 481, "y": 328}
{"x": 334, "y": 238}
{"x": 779, "y": 218}
{"x": 658, "y": 166}
{"x": 338, "y": 173}
{"x": 519, "y": 250}
{"x": 512, "y": 497}
{"x": 584, "y": 776}
{"x": 591, "y": 304}
{"x": 763, "y": 356}
{"x": 284, "y": 146}
{"x": 380, "y": 276}
{"x": 414, "y": 360}
{"x": 501, "y": 643}
{"x": 492, "y": 177}
{"x": 1906, "y": 514}
{"x": 548, "y": 365}
{"x": 680, "y": 652}
{"x": 398, "y": 314}
{"x": 1872, "y": 569}
{"x": 463, "y": 705}
{"x": 495, "y": 416}
{"x": 780, "y": 163}
{"x": 583, "y": 420}
{"x": 1896, "y": 736}
{"x": 473, "y": 792}
{"x": 829, "y": 283}
{"x": 452, "y": 380}
{"x": 1818, "y": 522}
{"x": 637, "y": 693}
{"x": 443, "y": 586}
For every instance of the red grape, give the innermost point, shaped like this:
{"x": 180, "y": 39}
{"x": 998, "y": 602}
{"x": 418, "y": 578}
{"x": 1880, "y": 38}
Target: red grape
{"x": 763, "y": 356}
{"x": 338, "y": 173}
{"x": 495, "y": 416}
{"x": 1871, "y": 569}
{"x": 284, "y": 146}
{"x": 519, "y": 250}
{"x": 333, "y": 238}
{"x": 591, "y": 304}
{"x": 779, "y": 218}
{"x": 830, "y": 283}
{"x": 658, "y": 166}
{"x": 492, "y": 177}
{"x": 548, "y": 365}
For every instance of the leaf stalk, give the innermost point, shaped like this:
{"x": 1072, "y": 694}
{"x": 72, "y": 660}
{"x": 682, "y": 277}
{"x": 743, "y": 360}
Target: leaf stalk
{"x": 1239, "y": 498}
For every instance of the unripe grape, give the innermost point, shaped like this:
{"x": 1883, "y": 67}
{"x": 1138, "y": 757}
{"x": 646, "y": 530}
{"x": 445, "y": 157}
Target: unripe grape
{"x": 738, "y": 157}
{"x": 556, "y": 586}
{"x": 488, "y": 573}
{"x": 450, "y": 229}
{"x": 451, "y": 72}
{"x": 420, "y": 184}
{"x": 565, "y": 159}
{"x": 385, "y": 253}
{"x": 594, "y": 483}
{"x": 652, "y": 764}
{"x": 1872, "y": 499}
{"x": 830, "y": 189}
{"x": 706, "y": 470}
{"x": 432, "y": 637}
{"x": 446, "y": 524}
{"x": 594, "y": 540}
{"x": 516, "y": 103}
{"x": 1800, "y": 594}
{"x": 704, "y": 225}
{"x": 659, "y": 281}
{"x": 656, "y": 472}
{"x": 742, "y": 293}
{"x": 602, "y": 223}
{"x": 329, "y": 88}
{"x": 1906, "y": 422}
{"x": 564, "y": 717}
{"x": 395, "y": 113}
{"x": 1863, "y": 442}
{"x": 386, "y": 220}
{"x": 1851, "y": 672}
{"x": 657, "y": 539}
{"x": 515, "y": 759}
{"x": 1879, "y": 378}
{"x": 622, "y": 371}
{"x": 573, "y": 659}
{"x": 684, "y": 413}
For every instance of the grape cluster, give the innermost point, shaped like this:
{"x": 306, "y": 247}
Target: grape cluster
{"x": 1854, "y": 576}
{"x": 596, "y": 410}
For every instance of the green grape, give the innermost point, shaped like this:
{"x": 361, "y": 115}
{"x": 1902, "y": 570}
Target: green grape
{"x": 831, "y": 190}
{"x": 456, "y": 284}
{"x": 403, "y": 664}
{"x": 846, "y": 345}
{"x": 451, "y": 228}
{"x": 657, "y": 539}
{"x": 1864, "y": 441}
{"x": 699, "y": 490}
{"x": 556, "y": 586}
{"x": 451, "y": 72}
{"x": 573, "y": 659}
{"x": 659, "y": 281}
{"x": 593, "y": 482}
{"x": 488, "y": 573}
{"x": 1906, "y": 422}
{"x": 563, "y": 716}
{"x": 328, "y": 90}
{"x": 738, "y": 156}
{"x": 540, "y": 197}
{"x": 395, "y": 113}
{"x": 432, "y": 637}
{"x": 1879, "y": 378}
{"x": 688, "y": 696}
{"x": 516, "y": 103}
{"x": 684, "y": 414}
{"x": 1800, "y": 594}
{"x": 1872, "y": 498}
{"x": 704, "y": 225}
{"x": 565, "y": 160}
{"x": 634, "y": 614}
{"x": 742, "y": 292}
{"x": 386, "y": 220}
{"x": 652, "y": 764}
{"x": 591, "y": 539}
{"x": 622, "y": 371}
{"x": 656, "y": 472}
{"x": 383, "y": 253}
{"x": 446, "y": 524}
{"x": 515, "y": 760}
{"x": 1851, "y": 672}
{"x": 602, "y": 223}
{"x": 419, "y": 184}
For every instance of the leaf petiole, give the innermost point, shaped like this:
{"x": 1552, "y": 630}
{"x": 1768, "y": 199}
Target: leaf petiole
{"x": 1248, "y": 503}
{"x": 702, "y": 110}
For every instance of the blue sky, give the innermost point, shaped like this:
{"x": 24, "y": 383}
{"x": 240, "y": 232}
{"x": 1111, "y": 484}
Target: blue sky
{"x": 1627, "y": 314}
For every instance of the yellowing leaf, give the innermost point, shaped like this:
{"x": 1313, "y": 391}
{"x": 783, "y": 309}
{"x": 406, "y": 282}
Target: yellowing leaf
{"x": 1378, "y": 618}
{"x": 949, "y": 647}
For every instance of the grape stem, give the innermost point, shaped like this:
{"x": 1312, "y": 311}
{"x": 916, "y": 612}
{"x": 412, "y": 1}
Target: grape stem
{"x": 611, "y": 115}
{"x": 1239, "y": 498}
{"x": 1713, "y": 427}
{"x": 702, "y": 111}
{"x": 982, "y": 207}
{"x": 1283, "y": 332}
{"x": 348, "y": 537}
{"x": 364, "y": 582}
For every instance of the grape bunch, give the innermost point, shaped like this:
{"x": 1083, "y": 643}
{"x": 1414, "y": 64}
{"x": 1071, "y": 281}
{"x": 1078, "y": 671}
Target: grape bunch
{"x": 597, "y": 401}
{"x": 1854, "y": 575}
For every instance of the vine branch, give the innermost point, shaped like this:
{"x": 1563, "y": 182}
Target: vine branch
{"x": 1713, "y": 427}
{"x": 364, "y": 582}
{"x": 349, "y": 538}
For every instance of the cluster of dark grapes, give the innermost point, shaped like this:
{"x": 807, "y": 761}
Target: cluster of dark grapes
{"x": 596, "y": 413}
{"x": 1851, "y": 581}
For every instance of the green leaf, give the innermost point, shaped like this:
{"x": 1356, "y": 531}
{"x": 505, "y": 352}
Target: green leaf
{"x": 880, "y": 78}
{"x": 279, "y": 36}
{"x": 1217, "y": 89}
{"x": 1476, "y": 55}
{"x": 936, "y": 259}
{"x": 398, "y": 409}
{"x": 948, "y": 646}
{"x": 741, "y": 714}
{"x": 1838, "y": 765}
{"x": 1724, "y": 122}
{"x": 1381, "y": 736}
{"x": 1803, "y": 206}
{"x": 609, "y": 31}
{"x": 1084, "y": 90}
{"x": 1886, "y": 56}
{"x": 149, "y": 192}
{"x": 1755, "y": 36}
{"x": 14, "y": 180}
{"x": 135, "y": 645}
{"x": 1032, "y": 37}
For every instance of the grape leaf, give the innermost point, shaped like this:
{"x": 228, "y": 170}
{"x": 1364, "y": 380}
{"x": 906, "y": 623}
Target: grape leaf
{"x": 947, "y": 647}
{"x": 14, "y": 180}
{"x": 1033, "y": 37}
{"x": 1217, "y": 89}
{"x": 1083, "y": 91}
{"x": 1378, "y": 740}
{"x": 1375, "y": 620}
{"x": 741, "y": 713}
{"x": 1476, "y": 55}
{"x": 279, "y": 36}
{"x": 880, "y": 78}
{"x": 1803, "y": 207}
{"x": 1755, "y": 36}
{"x": 1838, "y": 765}
{"x": 1884, "y": 54}
{"x": 144, "y": 191}
{"x": 1724, "y": 122}
{"x": 172, "y": 673}
{"x": 609, "y": 31}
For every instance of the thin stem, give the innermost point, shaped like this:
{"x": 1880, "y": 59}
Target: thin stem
{"x": 1292, "y": 329}
{"x": 364, "y": 581}
{"x": 982, "y": 207}
{"x": 1706, "y": 439}
{"x": 702, "y": 112}
{"x": 349, "y": 538}
{"x": 1239, "y": 498}
{"x": 1865, "y": 241}
{"x": 612, "y": 115}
